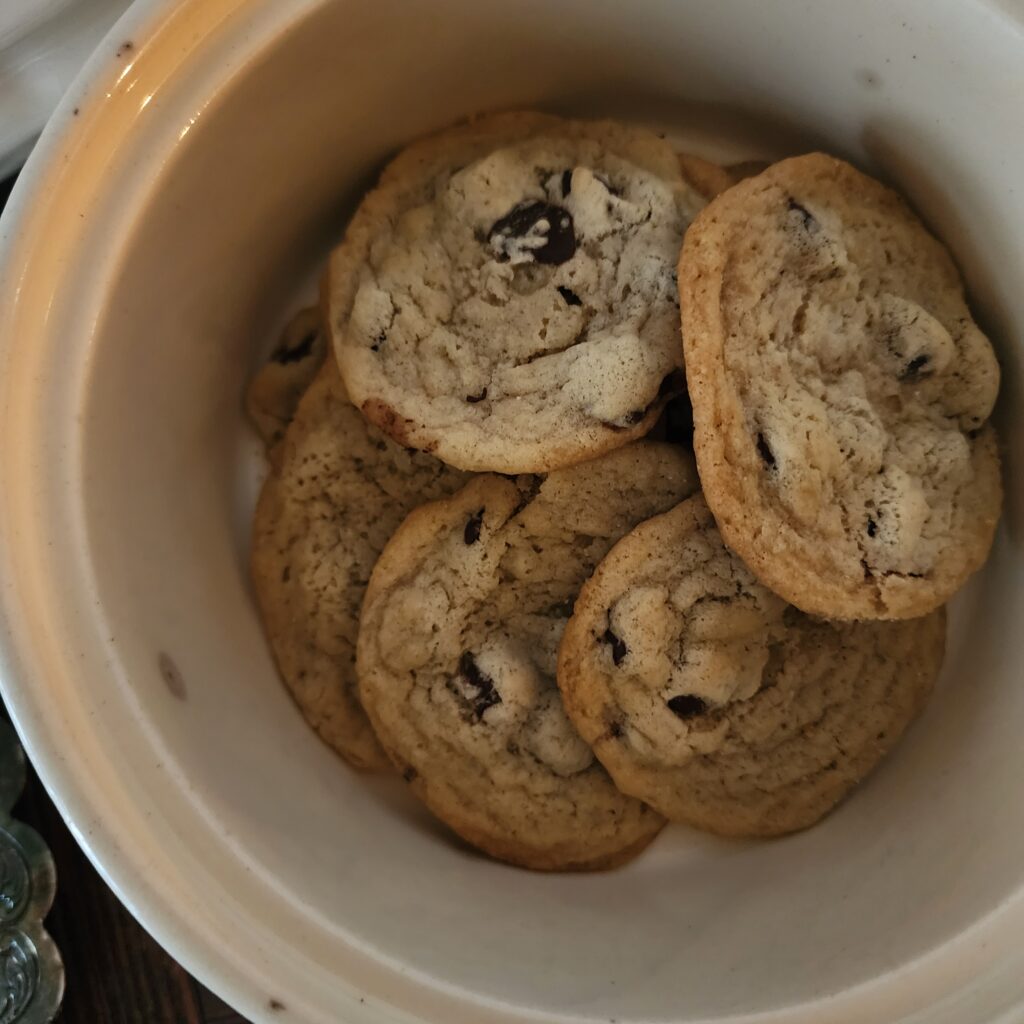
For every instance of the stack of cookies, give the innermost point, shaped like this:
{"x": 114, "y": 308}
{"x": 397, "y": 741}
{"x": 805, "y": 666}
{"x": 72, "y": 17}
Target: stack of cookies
{"x": 493, "y": 554}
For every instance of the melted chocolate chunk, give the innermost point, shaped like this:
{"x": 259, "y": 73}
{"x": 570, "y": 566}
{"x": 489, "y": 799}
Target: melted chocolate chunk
{"x": 807, "y": 219}
{"x": 619, "y": 648}
{"x": 767, "y": 455}
{"x": 523, "y": 220}
{"x": 571, "y": 298}
{"x": 566, "y": 183}
{"x": 296, "y": 353}
{"x": 915, "y": 369}
{"x": 479, "y": 397}
{"x": 486, "y": 695}
{"x": 471, "y": 534}
{"x": 872, "y": 527}
{"x": 615, "y": 730}
{"x": 686, "y": 705}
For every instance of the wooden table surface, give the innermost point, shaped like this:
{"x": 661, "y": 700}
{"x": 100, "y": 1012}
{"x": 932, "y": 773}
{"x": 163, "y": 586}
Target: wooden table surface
{"x": 116, "y": 974}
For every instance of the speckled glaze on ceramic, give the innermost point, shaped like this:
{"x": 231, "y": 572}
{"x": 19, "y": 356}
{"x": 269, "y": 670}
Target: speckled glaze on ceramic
{"x": 160, "y": 240}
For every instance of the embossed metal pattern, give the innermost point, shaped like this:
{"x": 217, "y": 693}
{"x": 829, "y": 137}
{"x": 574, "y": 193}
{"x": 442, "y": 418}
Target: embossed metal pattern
{"x": 31, "y": 971}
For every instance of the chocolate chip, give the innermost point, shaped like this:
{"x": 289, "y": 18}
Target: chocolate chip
{"x": 486, "y": 695}
{"x": 286, "y": 354}
{"x": 619, "y": 648}
{"x": 615, "y": 730}
{"x": 872, "y": 527}
{"x": 686, "y": 705}
{"x": 915, "y": 369}
{"x": 378, "y": 341}
{"x": 807, "y": 218}
{"x": 471, "y": 534}
{"x": 566, "y": 183}
{"x": 767, "y": 456}
{"x": 529, "y": 489}
{"x": 523, "y": 220}
{"x": 634, "y": 417}
{"x": 409, "y": 774}
{"x": 479, "y": 397}
{"x": 571, "y": 298}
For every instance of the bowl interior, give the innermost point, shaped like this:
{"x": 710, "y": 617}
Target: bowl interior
{"x": 227, "y": 209}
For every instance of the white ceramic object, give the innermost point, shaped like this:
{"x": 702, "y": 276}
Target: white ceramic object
{"x": 43, "y": 44}
{"x": 153, "y": 247}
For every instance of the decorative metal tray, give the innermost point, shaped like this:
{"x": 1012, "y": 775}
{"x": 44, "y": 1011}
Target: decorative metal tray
{"x": 31, "y": 970}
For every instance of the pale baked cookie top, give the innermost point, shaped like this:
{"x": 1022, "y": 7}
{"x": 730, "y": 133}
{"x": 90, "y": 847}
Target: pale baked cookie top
{"x": 718, "y": 704}
{"x": 336, "y": 492}
{"x": 457, "y": 650}
{"x": 841, "y": 392}
{"x": 505, "y": 298}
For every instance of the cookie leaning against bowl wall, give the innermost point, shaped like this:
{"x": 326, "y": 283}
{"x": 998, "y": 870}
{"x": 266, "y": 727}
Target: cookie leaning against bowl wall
{"x": 505, "y": 297}
{"x": 273, "y": 393}
{"x": 841, "y": 393}
{"x": 337, "y": 490}
{"x": 715, "y": 702}
{"x": 457, "y": 650}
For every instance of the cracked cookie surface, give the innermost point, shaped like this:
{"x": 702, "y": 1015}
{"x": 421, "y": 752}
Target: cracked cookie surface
{"x": 457, "y": 652}
{"x": 718, "y": 704}
{"x": 841, "y": 393}
{"x": 337, "y": 490}
{"x": 505, "y": 298}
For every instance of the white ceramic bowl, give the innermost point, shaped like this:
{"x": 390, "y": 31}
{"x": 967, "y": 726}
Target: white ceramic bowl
{"x": 181, "y": 199}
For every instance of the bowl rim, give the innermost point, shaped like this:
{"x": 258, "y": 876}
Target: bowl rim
{"x": 142, "y": 875}
{"x": 156, "y": 896}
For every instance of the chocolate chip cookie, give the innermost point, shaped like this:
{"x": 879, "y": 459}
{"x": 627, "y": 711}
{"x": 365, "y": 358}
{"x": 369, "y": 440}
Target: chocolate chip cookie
{"x": 715, "y": 702}
{"x": 711, "y": 179}
{"x": 841, "y": 393}
{"x": 457, "y": 650}
{"x": 505, "y": 298}
{"x": 337, "y": 490}
{"x": 274, "y": 392}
